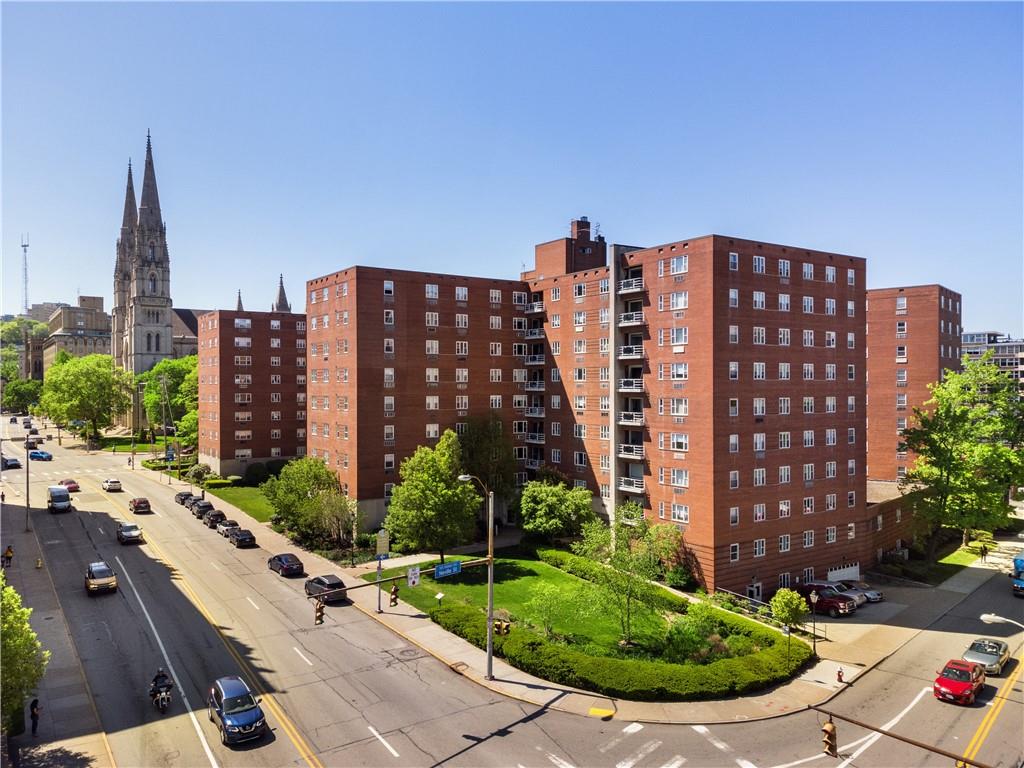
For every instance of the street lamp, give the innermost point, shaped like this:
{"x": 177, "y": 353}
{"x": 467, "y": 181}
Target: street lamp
{"x": 991, "y": 618}
{"x": 490, "y": 573}
{"x": 814, "y": 623}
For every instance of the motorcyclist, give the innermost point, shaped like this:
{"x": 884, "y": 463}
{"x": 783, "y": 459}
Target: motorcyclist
{"x": 160, "y": 682}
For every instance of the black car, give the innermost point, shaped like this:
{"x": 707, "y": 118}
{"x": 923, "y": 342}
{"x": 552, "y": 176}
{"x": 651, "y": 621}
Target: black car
{"x": 329, "y": 587}
{"x": 192, "y": 501}
{"x": 10, "y": 462}
{"x": 182, "y": 496}
{"x": 242, "y": 537}
{"x": 286, "y": 564}
{"x": 214, "y": 516}
{"x": 200, "y": 508}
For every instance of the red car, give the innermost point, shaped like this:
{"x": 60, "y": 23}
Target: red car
{"x": 139, "y": 505}
{"x": 71, "y": 485}
{"x": 959, "y": 681}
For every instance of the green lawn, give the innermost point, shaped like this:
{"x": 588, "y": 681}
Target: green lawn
{"x": 249, "y": 500}
{"x": 513, "y": 578}
{"x": 948, "y": 565}
{"x": 123, "y": 444}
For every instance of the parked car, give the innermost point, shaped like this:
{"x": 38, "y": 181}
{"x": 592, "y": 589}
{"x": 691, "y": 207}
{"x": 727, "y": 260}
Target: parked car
{"x": 200, "y": 508}
{"x": 192, "y": 501}
{"x": 224, "y": 527}
{"x": 327, "y": 587}
{"x": 40, "y": 455}
{"x": 873, "y": 595}
{"x": 129, "y": 533}
{"x": 33, "y": 431}
{"x": 959, "y": 681}
{"x": 100, "y": 577}
{"x": 989, "y": 653}
{"x": 241, "y": 537}
{"x": 214, "y": 516}
{"x": 10, "y": 462}
{"x": 286, "y": 564}
{"x": 71, "y": 485}
{"x": 829, "y": 601}
{"x": 111, "y": 484}
{"x": 139, "y": 504}
{"x": 14, "y": 419}
{"x": 235, "y": 710}
{"x": 182, "y": 496}
{"x": 856, "y": 595}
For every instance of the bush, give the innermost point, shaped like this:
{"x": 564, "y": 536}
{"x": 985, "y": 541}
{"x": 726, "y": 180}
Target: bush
{"x": 679, "y": 577}
{"x": 255, "y": 474}
{"x": 218, "y": 483}
{"x": 366, "y": 540}
{"x": 274, "y": 466}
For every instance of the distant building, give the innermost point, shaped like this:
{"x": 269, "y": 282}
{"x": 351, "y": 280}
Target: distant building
{"x": 252, "y": 386}
{"x": 41, "y": 312}
{"x": 1007, "y": 353}
{"x": 79, "y": 331}
{"x": 913, "y": 336}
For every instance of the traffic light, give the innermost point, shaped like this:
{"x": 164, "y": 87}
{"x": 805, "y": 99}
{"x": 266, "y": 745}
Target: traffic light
{"x": 318, "y": 612}
{"x": 394, "y": 595}
{"x": 829, "y": 739}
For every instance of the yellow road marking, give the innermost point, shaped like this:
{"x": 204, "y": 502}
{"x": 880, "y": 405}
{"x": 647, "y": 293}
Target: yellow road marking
{"x": 599, "y": 712}
{"x": 990, "y": 717}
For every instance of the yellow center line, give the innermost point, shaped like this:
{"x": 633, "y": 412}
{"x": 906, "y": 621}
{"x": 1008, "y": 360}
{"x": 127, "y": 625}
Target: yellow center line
{"x": 990, "y": 717}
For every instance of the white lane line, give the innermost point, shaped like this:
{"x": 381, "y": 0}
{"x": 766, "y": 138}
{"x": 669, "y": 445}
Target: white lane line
{"x": 633, "y": 728}
{"x": 557, "y": 761}
{"x": 167, "y": 661}
{"x": 675, "y": 762}
{"x": 843, "y": 748}
{"x": 639, "y": 755}
{"x": 252, "y": 603}
{"x": 381, "y": 739}
{"x": 628, "y": 730}
{"x": 100, "y": 530}
{"x": 307, "y": 661}
{"x": 744, "y": 763}
{"x": 876, "y": 736}
{"x": 703, "y": 731}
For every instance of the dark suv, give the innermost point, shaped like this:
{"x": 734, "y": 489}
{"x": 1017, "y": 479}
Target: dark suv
{"x": 235, "y": 710}
{"x": 214, "y": 516}
{"x": 182, "y": 496}
{"x": 829, "y": 601}
{"x": 200, "y": 508}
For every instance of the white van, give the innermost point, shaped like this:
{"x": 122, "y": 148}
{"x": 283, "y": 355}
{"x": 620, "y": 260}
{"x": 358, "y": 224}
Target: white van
{"x": 58, "y": 499}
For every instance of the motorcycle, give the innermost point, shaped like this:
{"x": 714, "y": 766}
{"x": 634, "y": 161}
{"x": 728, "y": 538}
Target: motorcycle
{"x": 161, "y": 697}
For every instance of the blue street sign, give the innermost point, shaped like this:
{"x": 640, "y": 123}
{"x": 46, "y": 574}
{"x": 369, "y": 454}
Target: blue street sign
{"x": 383, "y": 556}
{"x": 447, "y": 569}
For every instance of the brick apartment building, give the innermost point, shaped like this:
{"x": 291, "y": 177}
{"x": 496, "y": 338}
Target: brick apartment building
{"x": 718, "y": 382}
{"x": 913, "y": 336}
{"x": 1007, "y": 352}
{"x": 252, "y": 386}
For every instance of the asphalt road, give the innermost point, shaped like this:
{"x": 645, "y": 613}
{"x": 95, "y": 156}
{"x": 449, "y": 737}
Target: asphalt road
{"x": 350, "y": 693}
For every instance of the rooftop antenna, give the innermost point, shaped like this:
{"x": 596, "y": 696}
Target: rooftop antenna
{"x": 24, "y": 274}
{"x": 597, "y": 230}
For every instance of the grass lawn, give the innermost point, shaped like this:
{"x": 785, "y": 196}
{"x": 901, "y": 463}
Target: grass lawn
{"x": 513, "y": 579}
{"x": 249, "y": 500}
{"x": 123, "y": 444}
{"x": 955, "y": 559}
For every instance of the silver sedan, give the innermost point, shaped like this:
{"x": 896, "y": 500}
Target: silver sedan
{"x": 991, "y": 654}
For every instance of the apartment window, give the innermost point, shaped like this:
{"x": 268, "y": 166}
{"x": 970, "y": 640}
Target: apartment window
{"x": 556, "y": 320}
{"x": 830, "y": 436}
{"x": 496, "y": 402}
{"x": 734, "y": 262}
{"x": 389, "y": 404}
{"x": 784, "y": 440}
{"x": 808, "y": 438}
{"x": 784, "y": 543}
{"x": 602, "y": 315}
{"x": 275, "y": 397}
{"x": 830, "y": 274}
{"x": 759, "y": 371}
{"x": 495, "y": 296}
{"x": 679, "y": 300}
{"x": 759, "y": 441}
{"x": 579, "y": 458}
{"x": 783, "y": 302}
{"x": 431, "y": 319}
{"x": 556, "y": 456}
{"x": 579, "y": 290}
{"x": 851, "y": 372}
{"x": 759, "y": 265}
{"x": 783, "y": 371}
{"x": 851, "y": 435}
{"x": 433, "y": 347}
{"x": 495, "y": 349}
{"x": 680, "y": 478}
{"x": 785, "y": 474}
{"x": 734, "y": 515}
{"x": 830, "y": 339}
{"x": 850, "y": 309}
{"x": 677, "y": 265}
{"x": 760, "y": 476}
{"x": 602, "y": 286}
{"x": 461, "y": 320}
{"x": 461, "y": 348}
{"x": 758, "y": 335}
{"x": 734, "y": 334}
{"x": 851, "y": 467}
{"x": 784, "y": 507}
{"x": 579, "y": 374}
{"x": 389, "y": 317}
{"x": 432, "y": 403}
{"x": 680, "y": 371}
{"x": 579, "y": 430}
{"x": 808, "y": 305}
{"x": 556, "y": 429}
{"x": 808, "y": 338}
{"x": 462, "y": 375}
{"x": 734, "y": 443}
{"x": 851, "y": 499}
{"x": 759, "y": 409}
{"x": 579, "y": 318}
{"x": 901, "y": 402}
{"x": 462, "y": 402}
{"x": 734, "y": 406}
{"x": 830, "y": 501}
{"x": 901, "y": 424}
{"x": 808, "y": 539}
{"x": 679, "y": 336}
{"x": 734, "y": 370}
{"x": 433, "y": 377}
{"x": 734, "y": 297}
{"x": 808, "y": 505}
{"x": 808, "y": 371}
{"x": 901, "y": 329}
{"x": 830, "y": 469}
{"x": 850, "y": 277}
{"x": 784, "y": 406}
{"x": 680, "y": 513}
{"x": 830, "y": 404}
{"x": 759, "y": 300}
{"x": 808, "y": 271}
{"x": 430, "y": 290}
{"x": 851, "y": 340}
{"x": 461, "y": 293}
{"x": 389, "y": 346}
{"x": 680, "y": 441}
{"x": 783, "y": 267}
{"x": 275, "y": 415}
{"x": 495, "y": 375}
{"x": 851, "y": 404}
{"x": 901, "y": 302}
{"x": 734, "y": 479}
{"x": 808, "y": 405}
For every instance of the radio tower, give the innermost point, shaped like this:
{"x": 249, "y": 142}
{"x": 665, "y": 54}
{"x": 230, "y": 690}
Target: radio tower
{"x": 24, "y": 274}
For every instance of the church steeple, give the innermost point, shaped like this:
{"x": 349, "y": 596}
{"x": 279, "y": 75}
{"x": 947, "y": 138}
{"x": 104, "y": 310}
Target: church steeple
{"x": 131, "y": 213}
{"x": 149, "y": 205}
{"x": 281, "y": 305}
{"x": 238, "y": 306}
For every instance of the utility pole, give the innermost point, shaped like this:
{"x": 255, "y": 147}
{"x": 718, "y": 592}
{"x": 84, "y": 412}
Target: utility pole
{"x": 24, "y": 278}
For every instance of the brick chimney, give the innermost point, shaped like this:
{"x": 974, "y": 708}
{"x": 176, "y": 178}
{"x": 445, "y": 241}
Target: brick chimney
{"x": 581, "y": 229}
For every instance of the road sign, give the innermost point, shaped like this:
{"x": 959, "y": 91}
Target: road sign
{"x": 383, "y": 542}
{"x": 448, "y": 569}
{"x": 382, "y": 556}
{"x": 412, "y": 576}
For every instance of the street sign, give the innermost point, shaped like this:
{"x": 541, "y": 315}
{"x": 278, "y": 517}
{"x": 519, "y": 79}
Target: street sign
{"x": 447, "y": 569}
{"x": 412, "y": 576}
{"x": 382, "y": 556}
{"x": 383, "y": 542}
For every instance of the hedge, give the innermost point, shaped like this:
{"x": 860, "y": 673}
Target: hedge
{"x": 635, "y": 679}
{"x": 218, "y": 483}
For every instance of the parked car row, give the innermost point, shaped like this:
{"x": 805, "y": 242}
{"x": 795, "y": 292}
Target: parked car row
{"x": 839, "y": 598}
{"x": 213, "y": 518}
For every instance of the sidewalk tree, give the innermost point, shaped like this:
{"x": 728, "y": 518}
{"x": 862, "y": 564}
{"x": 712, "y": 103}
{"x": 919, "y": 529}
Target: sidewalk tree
{"x": 188, "y": 429}
{"x": 89, "y": 389}
{"x": 789, "y": 609}
{"x": 22, "y": 394}
{"x": 431, "y": 509}
{"x": 177, "y": 372}
{"x": 294, "y": 495}
{"x": 198, "y": 473}
{"x": 487, "y": 453}
{"x": 333, "y": 514}
{"x": 24, "y": 660}
{"x": 550, "y": 510}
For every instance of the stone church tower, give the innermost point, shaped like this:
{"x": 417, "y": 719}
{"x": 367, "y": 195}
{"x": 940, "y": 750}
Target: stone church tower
{"x": 141, "y": 315}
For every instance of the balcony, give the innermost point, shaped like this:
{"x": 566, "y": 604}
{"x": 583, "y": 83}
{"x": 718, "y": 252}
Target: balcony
{"x": 534, "y": 412}
{"x": 534, "y": 463}
{"x": 534, "y": 307}
{"x": 537, "y": 385}
{"x": 631, "y": 418}
{"x": 535, "y": 437}
{"x": 631, "y": 351}
{"x": 634, "y": 452}
{"x": 631, "y": 385}
{"x": 534, "y": 360}
{"x": 534, "y": 333}
{"x": 631, "y": 318}
{"x": 631, "y": 285}
{"x": 631, "y": 484}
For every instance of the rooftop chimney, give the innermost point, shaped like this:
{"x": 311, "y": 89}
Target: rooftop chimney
{"x": 581, "y": 229}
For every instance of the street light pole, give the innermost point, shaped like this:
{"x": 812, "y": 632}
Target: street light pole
{"x": 490, "y": 573}
{"x": 28, "y": 464}
{"x": 814, "y": 624}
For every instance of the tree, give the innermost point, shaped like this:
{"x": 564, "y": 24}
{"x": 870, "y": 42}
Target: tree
{"x": 549, "y": 602}
{"x": 198, "y": 473}
{"x": 788, "y": 608}
{"x": 188, "y": 429}
{"x": 487, "y": 453}
{"x": 431, "y": 509}
{"x": 332, "y": 513}
{"x": 14, "y": 331}
{"x": 966, "y": 461}
{"x": 87, "y": 388}
{"x": 554, "y": 510}
{"x": 23, "y": 655}
{"x": 295, "y": 493}
{"x": 21, "y": 394}
{"x": 176, "y": 371}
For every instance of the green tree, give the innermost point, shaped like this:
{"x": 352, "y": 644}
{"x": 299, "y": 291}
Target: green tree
{"x": 188, "y": 429}
{"x": 789, "y": 609}
{"x": 549, "y": 603}
{"x": 487, "y": 453}
{"x": 555, "y": 510}
{"x": 198, "y": 473}
{"x": 332, "y": 514}
{"x": 21, "y": 394}
{"x": 10, "y": 363}
{"x": 294, "y": 495}
{"x": 88, "y": 388}
{"x": 965, "y": 459}
{"x": 431, "y": 509}
{"x": 187, "y": 397}
{"x": 176, "y": 371}
{"x": 24, "y": 660}
{"x": 14, "y": 331}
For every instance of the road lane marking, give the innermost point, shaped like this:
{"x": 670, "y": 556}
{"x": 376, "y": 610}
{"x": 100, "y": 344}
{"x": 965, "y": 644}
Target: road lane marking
{"x": 703, "y": 731}
{"x": 252, "y": 603}
{"x": 675, "y": 762}
{"x": 628, "y": 730}
{"x": 167, "y": 661}
{"x": 100, "y": 530}
{"x": 639, "y": 755}
{"x": 214, "y": 566}
{"x": 307, "y": 661}
{"x": 990, "y": 717}
{"x": 557, "y": 761}
{"x": 876, "y": 736}
{"x": 600, "y": 712}
{"x": 744, "y": 763}
{"x": 381, "y": 739}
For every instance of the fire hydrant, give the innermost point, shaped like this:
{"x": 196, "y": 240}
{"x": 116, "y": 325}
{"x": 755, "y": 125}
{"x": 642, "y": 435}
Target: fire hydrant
{"x": 839, "y": 676}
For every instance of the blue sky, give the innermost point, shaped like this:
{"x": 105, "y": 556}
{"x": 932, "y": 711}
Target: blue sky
{"x": 453, "y": 137}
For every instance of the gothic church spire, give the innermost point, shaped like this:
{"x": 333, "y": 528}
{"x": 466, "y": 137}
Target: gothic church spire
{"x": 149, "y": 205}
{"x": 238, "y": 306}
{"x": 131, "y": 214}
{"x": 281, "y": 305}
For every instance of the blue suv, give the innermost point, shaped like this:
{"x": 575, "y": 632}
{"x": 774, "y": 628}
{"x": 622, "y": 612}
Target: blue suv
{"x": 236, "y": 711}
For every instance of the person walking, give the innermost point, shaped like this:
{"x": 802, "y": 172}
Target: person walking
{"x": 3, "y": 497}
{"x": 8, "y": 556}
{"x": 984, "y": 553}
{"x": 33, "y": 713}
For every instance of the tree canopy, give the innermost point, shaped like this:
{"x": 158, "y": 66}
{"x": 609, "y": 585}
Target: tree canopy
{"x": 555, "y": 510}
{"x": 24, "y": 659}
{"x": 88, "y": 388}
{"x": 431, "y": 509}
{"x": 14, "y": 331}
{"x": 487, "y": 453}
{"x": 182, "y": 376}
{"x": 21, "y": 394}
{"x": 296, "y": 496}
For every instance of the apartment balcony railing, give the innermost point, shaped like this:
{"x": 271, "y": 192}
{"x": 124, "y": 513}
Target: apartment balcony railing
{"x": 535, "y": 437}
{"x": 534, "y": 386}
{"x": 631, "y": 385}
{"x": 631, "y": 484}
{"x": 535, "y": 412}
{"x": 631, "y": 318}
{"x": 631, "y": 418}
{"x": 631, "y": 285}
{"x": 534, "y": 333}
{"x": 535, "y": 360}
{"x": 627, "y": 451}
{"x": 630, "y": 351}
{"x": 534, "y": 463}
{"x": 533, "y": 307}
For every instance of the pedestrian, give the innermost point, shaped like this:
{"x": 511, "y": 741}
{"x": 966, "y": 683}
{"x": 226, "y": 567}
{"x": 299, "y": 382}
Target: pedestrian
{"x": 8, "y": 556}
{"x": 984, "y": 553}
{"x": 3, "y": 497}
{"x": 33, "y": 713}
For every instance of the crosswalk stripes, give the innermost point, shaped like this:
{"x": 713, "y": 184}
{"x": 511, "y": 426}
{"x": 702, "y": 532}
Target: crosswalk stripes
{"x": 622, "y": 751}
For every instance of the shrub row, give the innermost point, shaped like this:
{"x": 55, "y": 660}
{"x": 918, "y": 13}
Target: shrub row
{"x": 582, "y": 568}
{"x": 634, "y": 679}
{"x": 219, "y": 483}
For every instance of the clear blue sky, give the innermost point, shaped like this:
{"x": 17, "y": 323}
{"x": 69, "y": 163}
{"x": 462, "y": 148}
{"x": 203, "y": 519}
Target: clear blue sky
{"x": 453, "y": 137}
